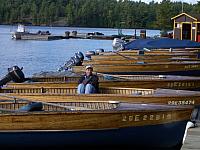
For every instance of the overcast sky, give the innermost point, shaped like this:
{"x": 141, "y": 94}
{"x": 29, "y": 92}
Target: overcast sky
{"x": 188, "y": 1}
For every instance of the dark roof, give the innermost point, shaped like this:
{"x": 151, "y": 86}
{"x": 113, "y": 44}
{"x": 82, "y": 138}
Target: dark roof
{"x": 197, "y": 16}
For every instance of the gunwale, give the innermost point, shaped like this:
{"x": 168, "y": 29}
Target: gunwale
{"x": 152, "y": 67}
{"x": 83, "y": 118}
{"x": 125, "y": 57}
{"x": 174, "y": 82}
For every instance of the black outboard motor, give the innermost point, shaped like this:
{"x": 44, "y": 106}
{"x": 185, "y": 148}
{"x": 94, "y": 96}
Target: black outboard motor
{"x": 76, "y": 60}
{"x": 80, "y": 55}
{"x": 15, "y": 74}
{"x": 88, "y": 54}
{"x": 99, "y": 51}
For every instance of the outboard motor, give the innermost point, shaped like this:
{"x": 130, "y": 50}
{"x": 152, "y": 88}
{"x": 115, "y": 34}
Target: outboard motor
{"x": 14, "y": 74}
{"x": 88, "y": 54}
{"x": 67, "y": 65}
{"x": 80, "y": 55}
{"x": 99, "y": 51}
{"x": 117, "y": 44}
{"x": 76, "y": 60}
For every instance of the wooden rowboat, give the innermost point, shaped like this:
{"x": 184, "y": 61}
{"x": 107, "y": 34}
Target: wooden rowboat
{"x": 103, "y": 123}
{"x": 136, "y": 95}
{"x": 162, "y": 96}
{"x": 135, "y": 57}
{"x": 129, "y": 81}
{"x": 164, "y": 68}
{"x": 136, "y": 61}
{"x": 152, "y": 52}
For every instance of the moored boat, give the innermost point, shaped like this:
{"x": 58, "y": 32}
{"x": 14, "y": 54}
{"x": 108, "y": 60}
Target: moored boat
{"x": 136, "y": 95}
{"x": 136, "y": 61}
{"x": 187, "y": 68}
{"x": 106, "y": 80}
{"x": 118, "y": 56}
{"x": 103, "y": 123}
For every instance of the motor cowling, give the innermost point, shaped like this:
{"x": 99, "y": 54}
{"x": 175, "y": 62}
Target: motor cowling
{"x": 76, "y": 60}
{"x": 80, "y": 55}
{"x": 88, "y": 54}
{"x": 117, "y": 44}
{"x": 99, "y": 51}
{"x": 14, "y": 74}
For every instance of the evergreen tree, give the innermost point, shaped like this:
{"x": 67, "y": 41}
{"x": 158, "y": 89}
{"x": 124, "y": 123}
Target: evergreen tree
{"x": 94, "y": 13}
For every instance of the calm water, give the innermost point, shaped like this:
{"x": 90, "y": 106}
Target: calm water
{"x": 37, "y": 56}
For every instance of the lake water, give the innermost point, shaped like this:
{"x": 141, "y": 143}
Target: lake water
{"x": 37, "y": 56}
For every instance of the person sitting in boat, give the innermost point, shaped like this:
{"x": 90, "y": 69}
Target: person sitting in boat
{"x": 89, "y": 82}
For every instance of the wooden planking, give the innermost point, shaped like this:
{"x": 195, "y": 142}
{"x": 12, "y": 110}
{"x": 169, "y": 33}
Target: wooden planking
{"x": 124, "y": 57}
{"x": 173, "y": 66}
{"x": 126, "y": 81}
{"x": 135, "y": 61}
{"x": 73, "y": 90}
{"x": 171, "y": 99}
{"x": 80, "y": 120}
{"x": 147, "y": 53}
{"x": 154, "y": 51}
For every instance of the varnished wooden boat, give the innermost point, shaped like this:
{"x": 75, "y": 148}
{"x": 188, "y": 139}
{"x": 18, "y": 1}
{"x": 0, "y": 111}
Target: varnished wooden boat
{"x": 136, "y": 61}
{"x": 136, "y": 95}
{"x": 129, "y": 81}
{"x": 153, "y": 52}
{"x": 164, "y": 68}
{"x": 118, "y": 56}
{"x": 91, "y": 124}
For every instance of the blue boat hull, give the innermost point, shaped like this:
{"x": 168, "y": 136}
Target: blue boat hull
{"x": 182, "y": 73}
{"x": 165, "y": 136}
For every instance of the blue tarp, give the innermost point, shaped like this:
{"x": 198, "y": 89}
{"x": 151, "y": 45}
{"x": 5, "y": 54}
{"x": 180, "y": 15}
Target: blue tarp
{"x": 164, "y": 43}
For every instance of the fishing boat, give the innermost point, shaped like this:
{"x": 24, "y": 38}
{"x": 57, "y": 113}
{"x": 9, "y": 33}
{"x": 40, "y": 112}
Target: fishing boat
{"x": 136, "y": 95}
{"x": 186, "y": 68}
{"x": 146, "y": 51}
{"x": 150, "y": 52}
{"x": 89, "y": 124}
{"x": 136, "y": 61}
{"x": 118, "y": 56}
{"x": 128, "y": 81}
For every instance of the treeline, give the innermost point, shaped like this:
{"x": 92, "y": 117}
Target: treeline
{"x": 94, "y": 13}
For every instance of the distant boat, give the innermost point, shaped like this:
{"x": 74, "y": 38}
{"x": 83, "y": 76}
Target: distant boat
{"x": 22, "y": 33}
{"x": 90, "y": 124}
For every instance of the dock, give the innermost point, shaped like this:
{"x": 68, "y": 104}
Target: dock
{"x": 192, "y": 141}
{"x": 41, "y": 37}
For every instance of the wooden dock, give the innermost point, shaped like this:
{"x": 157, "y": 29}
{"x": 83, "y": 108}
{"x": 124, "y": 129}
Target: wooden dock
{"x": 192, "y": 141}
{"x": 41, "y": 37}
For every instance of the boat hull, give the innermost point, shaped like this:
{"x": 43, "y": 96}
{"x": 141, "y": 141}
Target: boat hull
{"x": 173, "y": 68}
{"x": 183, "y": 73}
{"x": 134, "y": 137}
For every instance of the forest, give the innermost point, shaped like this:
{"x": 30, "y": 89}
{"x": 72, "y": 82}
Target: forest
{"x": 94, "y": 13}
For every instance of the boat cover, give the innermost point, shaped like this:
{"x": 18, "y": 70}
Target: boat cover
{"x": 160, "y": 43}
